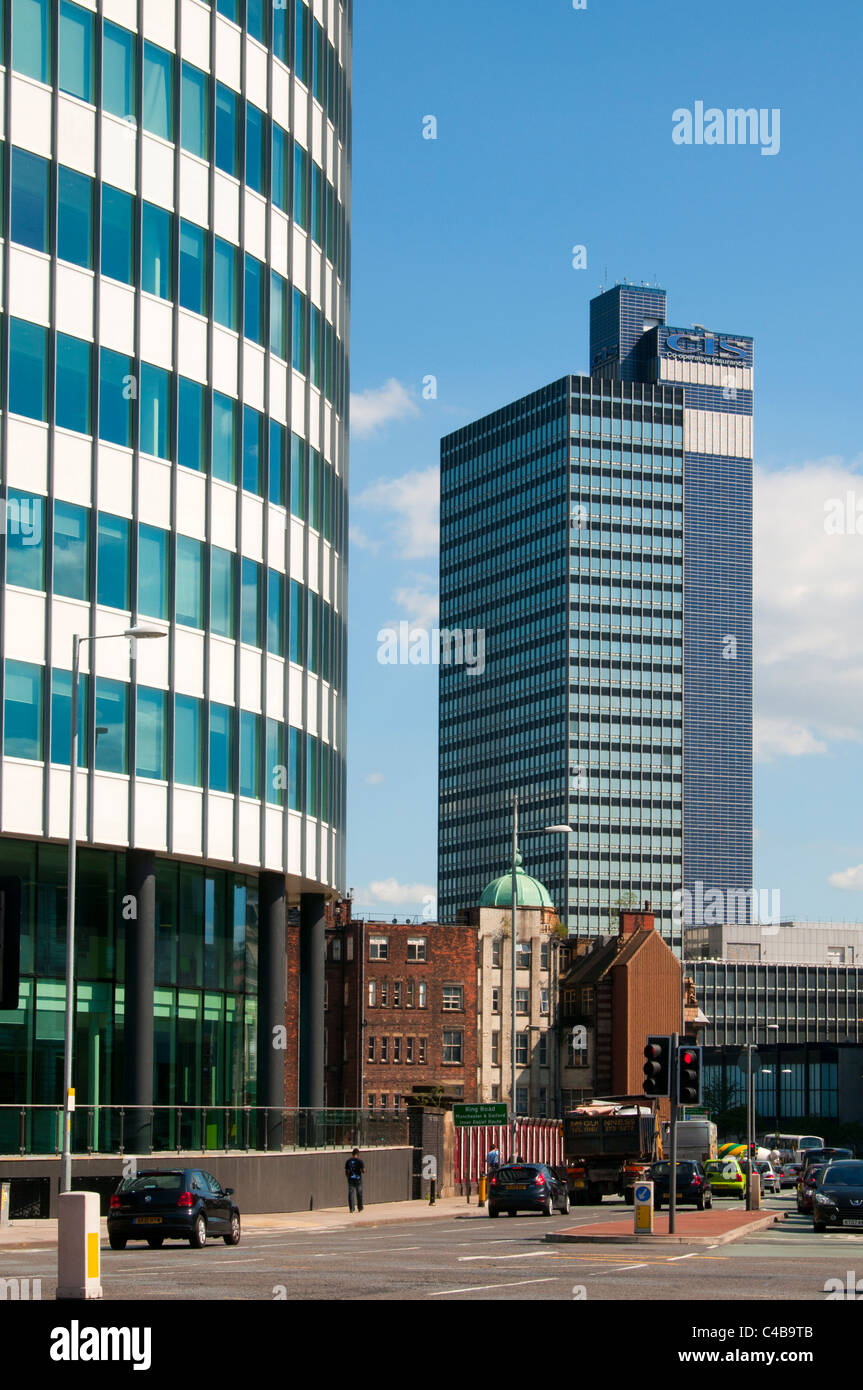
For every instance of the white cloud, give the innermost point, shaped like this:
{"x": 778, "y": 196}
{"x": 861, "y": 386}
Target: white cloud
{"x": 390, "y": 891}
{"x": 848, "y": 878}
{"x": 359, "y": 538}
{"x": 419, "y": 604}
{"x": 408, "y": 507}
{"x": 374, "y": 779}
{"x": 376, "y": 407}
{"x": 808, "y": 600}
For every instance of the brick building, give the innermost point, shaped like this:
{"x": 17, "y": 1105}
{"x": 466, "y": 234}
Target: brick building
{"x": 401, "y": 1008}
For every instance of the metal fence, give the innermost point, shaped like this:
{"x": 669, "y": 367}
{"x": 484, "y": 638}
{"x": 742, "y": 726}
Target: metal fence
{"x": 117, "y": 1129}
{"x": 536, "y": 1141}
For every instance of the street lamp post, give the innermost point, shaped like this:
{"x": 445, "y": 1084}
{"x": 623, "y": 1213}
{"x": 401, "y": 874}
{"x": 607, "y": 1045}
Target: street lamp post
{"x": 68, "y": 1093}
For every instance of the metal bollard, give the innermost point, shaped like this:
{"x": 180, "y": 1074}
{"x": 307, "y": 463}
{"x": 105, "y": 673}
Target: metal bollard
{"x": 481, "y": 1190}
{"x": 431, "y": 1192}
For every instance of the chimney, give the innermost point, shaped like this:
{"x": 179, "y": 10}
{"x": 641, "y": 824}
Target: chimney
{"x": 633, "y": 921}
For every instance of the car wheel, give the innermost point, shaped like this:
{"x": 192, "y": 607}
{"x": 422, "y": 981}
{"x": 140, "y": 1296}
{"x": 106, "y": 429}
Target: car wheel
{"x": 493, "y": 1211}
{"x": 155, "y": 1242}
{"x": 198, "y": 1238}
{"x": 565, "y": 1206}
{"x": 116, "y": 1242}
{"x": 708, "y": 1201}
{"x": 548, "y": 1209}
{"x": 234, "y": 1237}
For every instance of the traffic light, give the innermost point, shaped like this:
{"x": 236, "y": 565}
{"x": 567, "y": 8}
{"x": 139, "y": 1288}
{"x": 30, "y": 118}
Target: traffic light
{"x": 689, "y": 1075}
{"x": 10, "y": 941}
{"x": 657, "y": 1068}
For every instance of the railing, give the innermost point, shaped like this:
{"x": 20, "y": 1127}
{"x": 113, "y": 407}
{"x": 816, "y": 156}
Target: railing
{"x": 141, "y": 1129}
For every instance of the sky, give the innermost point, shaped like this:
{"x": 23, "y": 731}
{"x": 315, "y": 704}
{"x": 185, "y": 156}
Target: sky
{"x": 553, "y": 130}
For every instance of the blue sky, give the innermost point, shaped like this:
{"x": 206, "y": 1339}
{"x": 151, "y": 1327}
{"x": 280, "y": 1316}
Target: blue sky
{"x": 554, "y": 130}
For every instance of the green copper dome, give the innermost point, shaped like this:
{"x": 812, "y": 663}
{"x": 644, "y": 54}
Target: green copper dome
{"x": 529, "y": 891}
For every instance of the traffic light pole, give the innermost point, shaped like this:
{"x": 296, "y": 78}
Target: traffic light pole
{"x": 672, "y": 1180}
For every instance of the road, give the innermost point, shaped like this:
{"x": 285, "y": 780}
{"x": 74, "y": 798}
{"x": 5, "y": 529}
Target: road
{"x": 470, "y": 1258}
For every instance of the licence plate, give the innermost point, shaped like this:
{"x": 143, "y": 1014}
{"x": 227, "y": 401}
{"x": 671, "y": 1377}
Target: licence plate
{"x": 851, "y": 1221}
{"x": 517, "y": 1188}
{"x": 146, "y": 1220}
{"x": 578, "y": 1182}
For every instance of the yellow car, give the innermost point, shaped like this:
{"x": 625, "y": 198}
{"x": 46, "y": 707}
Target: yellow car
{"x": 726, "y": 1177}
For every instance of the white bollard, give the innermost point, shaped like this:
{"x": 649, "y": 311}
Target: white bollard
{"x": 78, "y": 1259}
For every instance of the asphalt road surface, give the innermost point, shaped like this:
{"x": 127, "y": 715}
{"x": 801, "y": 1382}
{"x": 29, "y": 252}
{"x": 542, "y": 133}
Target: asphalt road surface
{"x": 471, "y": 1258}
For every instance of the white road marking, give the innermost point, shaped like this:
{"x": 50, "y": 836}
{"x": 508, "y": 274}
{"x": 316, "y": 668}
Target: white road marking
{"x": 616, "y": 1269}
{"x": 672, "y": 1258}
{"x": 528, "y": 1255}
{"x": 480, "y": 1288}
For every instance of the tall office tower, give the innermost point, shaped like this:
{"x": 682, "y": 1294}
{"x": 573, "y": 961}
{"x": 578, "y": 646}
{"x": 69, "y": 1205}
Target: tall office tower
{"x": 562, "y": 538}
{"x": 174, "y": 397}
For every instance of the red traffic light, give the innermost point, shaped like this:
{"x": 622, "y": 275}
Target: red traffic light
{"x": 687, "y": 1058}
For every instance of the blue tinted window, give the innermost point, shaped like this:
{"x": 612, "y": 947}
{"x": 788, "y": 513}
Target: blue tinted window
{"x": 152, "y": 572}
{"x": 278, "y": 316}
{"x": 314, "y": 489}
{"x": 298, "y": 477}
{"x": 31, "y": 38}
{"x": 300, "y": 352}
{"x": 115, "y": 398}
{"x": 118, "y": 237}
{"x": 150, "y": 742}
{"x": 295, "y": 770}
{"x": 25, "y": 540}
{"x": 317, "y": 205}
{"x": 72, "y": 393}
{"x": 191, "y": 424}
{"x": 187, "y": 741}
{"x": 256, "y": 18}
{"x": 112, "y": 561}
{"x": 301, "y": 181}
{"x": 193, "y": 267}
{"x": 315, "y": 345}
{"x": 301, "y": 41}
{"x": 71, "y": 550}
{"x": 29, "y": 219}
{"x": 281, "y": 146}
{"x": 313, "y": 628}
{"x": 156, "y": 237}
{"x": 155, "y": 411}
{"x": 221, "y": 748}
{"x": 224, "y": 438}
{"x": 118, "y": 71}
{"x": 250, "y": 754}
{"x": 311, "y": 775}
{"x": 222, "y": 592}
{"x": 250, "y": 609}
{"x": 275, "y": 774}
{"x": 225, "y": 284}
{"x": 190, "y": 587}
{"x": 74, "y": 217}
{"x": 230, "y": 9}
{"x": 227, "y": 143}
{"x": 61, "y": 717}
{"x": 158, "y": 91}
{"x": 281, "y": 30}
{"x": 253, "y": 325}
{"x": 22, "y": 729}
{"x": 195, "y": 112}
{"x": 256, "y": 150}
{"x": 27, "y": 369}
{"x": 253, "y": 450}
{"x": 298, "y": 626}
{"x": 112, "y": 725}
{"x": 275, "y": 613}
{"x": 76, "y": 51}
{"x": 278, "y": 435}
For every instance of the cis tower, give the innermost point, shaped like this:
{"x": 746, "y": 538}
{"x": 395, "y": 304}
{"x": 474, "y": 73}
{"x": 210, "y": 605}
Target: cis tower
{"x": 600, "y": 531}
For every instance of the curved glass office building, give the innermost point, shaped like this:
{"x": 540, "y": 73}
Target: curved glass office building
{"x": 175, "y": 296}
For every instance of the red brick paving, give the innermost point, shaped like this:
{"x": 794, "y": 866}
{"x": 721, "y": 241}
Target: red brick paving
{"x": 700, "y": 1226}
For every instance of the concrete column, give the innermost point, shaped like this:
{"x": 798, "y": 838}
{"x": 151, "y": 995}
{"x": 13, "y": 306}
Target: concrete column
{"x": 271, "y": 1009}
{"x": 312, "y": 956}
{"x": 140, "y": 932}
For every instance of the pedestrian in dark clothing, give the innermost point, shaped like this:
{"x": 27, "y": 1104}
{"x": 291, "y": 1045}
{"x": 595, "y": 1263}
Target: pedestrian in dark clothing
{"x": 354, "y": 1169}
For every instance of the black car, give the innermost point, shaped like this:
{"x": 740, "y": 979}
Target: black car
{"x": 527, "y": 1187}
{"x": 838, "y": 1197}
{"x": 693, "y": 1184}
{"x": 172, "y": 1204}
{"x": 812, "y": 1156}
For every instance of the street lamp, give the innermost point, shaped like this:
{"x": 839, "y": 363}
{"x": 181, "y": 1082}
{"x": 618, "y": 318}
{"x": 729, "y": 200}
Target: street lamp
{"x": 137, "y": 631}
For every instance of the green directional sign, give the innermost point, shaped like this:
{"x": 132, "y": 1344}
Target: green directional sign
{"x": 493, "y": 1114}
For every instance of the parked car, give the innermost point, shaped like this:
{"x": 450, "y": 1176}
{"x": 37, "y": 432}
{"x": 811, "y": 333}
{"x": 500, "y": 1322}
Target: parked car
{"x": 838, "y": 1196}
{"x": 726, "y": 1177}
{"x": 806, "y": 1186}
{"x": 172, "y": 1204}
{"x": 527, "y": 1187}
{"x": 789, "y": 1173}
{"x": 693, "y": 1185}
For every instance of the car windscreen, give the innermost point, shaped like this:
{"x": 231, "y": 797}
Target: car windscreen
{"x": 841, "y": 1175}
{"x": 153, "y": 1182}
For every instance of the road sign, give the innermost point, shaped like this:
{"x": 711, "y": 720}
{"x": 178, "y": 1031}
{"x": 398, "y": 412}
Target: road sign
{"x": 493, "y": 1114}
{"x": 642, "y": 1193}
{"x": 643, "y": 1203}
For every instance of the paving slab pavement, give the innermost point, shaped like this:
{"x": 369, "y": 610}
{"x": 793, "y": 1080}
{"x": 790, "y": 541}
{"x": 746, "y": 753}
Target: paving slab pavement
{"x": 690, "y": 1228}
